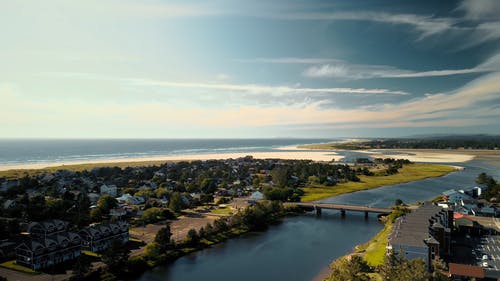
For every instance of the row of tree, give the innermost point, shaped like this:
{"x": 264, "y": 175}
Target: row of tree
{"x": 395, "y": 267}
{"x": 492, "y": 191}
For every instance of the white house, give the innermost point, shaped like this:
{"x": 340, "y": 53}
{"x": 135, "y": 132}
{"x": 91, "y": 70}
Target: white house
{"x": 127, "y": 198}
{"x": 108, "y": 189}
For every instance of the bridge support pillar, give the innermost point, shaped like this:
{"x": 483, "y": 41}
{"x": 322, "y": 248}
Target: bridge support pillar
{"x": 342, "y": 213}
{"x": 366, "y": 214}
{"x": 318, "y": 211}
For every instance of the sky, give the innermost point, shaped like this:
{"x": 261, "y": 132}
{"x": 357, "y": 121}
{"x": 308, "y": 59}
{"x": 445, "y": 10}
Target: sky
{"x": 248, "y": 69}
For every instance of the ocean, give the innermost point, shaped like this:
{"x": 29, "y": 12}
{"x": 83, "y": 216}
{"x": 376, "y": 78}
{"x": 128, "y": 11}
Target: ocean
{"x": 33, "y": 151}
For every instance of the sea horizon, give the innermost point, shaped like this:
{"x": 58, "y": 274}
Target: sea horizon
{"x": 33, "y": 151}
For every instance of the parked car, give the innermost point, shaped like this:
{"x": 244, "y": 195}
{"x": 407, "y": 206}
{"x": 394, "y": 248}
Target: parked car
{"x": 485, "y": 257}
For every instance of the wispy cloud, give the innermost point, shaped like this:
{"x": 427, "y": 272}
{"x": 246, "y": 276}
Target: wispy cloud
{"x": 473, "y": 104}
{"x": 353, "y": 71}
{"x": 426, "y": 25}
{"x": 480, "y": 9}
{"x": 335, "y": 68}
{"x": 289, "y": 60}
{"x": 274, "y": 90}
{"x": 246, "y": 88}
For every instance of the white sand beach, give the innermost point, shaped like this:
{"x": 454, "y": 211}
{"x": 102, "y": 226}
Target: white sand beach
{"x": 420, "y": 156}
{"x": 297, "y": 155}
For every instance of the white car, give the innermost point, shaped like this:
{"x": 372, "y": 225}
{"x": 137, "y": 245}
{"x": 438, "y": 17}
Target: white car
{"x": 485, "y": 257}
{"x": 485, "y": 264}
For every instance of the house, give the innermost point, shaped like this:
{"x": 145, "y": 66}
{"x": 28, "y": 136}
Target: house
{"x": 108, "y": 189}
{"x": 47, "y": 228}
{"x": 99, "y": 237}
{"x": 42, "y": 253}
{"x": 9, "y": 204}
{"x": 458, "y": 271}
{"x": 129, "y": 199}
{"x": 424, "y": 233}
{"x": 117, "y": 212}
{"x": 48, "y": 244}
{"x": 455, "y": 196}
{"x": 256, "y": 196}
{"x": 93, "y": 197}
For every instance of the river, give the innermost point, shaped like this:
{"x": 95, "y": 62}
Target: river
{"x": 300, "y": 247}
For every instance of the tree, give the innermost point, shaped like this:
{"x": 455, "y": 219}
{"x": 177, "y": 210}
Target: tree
{"x": 152, "y": 215}
{"x": 192, "y": 237}
{"x": 116, "y": 256}
{"x": 350, "y": 269}
{"x": 161, "y": 192}
{"x": 208, "y": 185}
{"x": 440, "y": 270}
{"x": 396, "y": 267}
{"x": 163, "y": 238}
{"x": 175, "y": 203}
{"x": 106, "y": 203}
{"x": 280, "y": 175}
{"x": 81, "y": 267}
{"x": 398, "y": 202}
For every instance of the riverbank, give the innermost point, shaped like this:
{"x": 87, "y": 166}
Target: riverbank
{"x": 409, "y": 173}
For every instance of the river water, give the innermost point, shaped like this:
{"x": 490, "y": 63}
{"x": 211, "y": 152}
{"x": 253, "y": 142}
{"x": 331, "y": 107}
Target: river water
{"x": 300, "y": 247}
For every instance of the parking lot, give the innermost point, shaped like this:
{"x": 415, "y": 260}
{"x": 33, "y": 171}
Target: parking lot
{"x": 487, "y": 245}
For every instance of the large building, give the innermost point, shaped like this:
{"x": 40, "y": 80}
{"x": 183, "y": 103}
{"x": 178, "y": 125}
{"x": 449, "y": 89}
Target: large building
{"x": 424, "y": 233}
{"x": 49, "y": 243}
{"x": 97, "y": 238}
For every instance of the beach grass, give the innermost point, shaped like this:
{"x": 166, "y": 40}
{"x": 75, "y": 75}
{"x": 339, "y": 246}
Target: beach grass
{"x": 408, "y": 173}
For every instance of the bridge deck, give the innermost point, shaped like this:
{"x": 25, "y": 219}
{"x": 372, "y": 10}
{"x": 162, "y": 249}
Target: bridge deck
{"x": 344, "y": 207}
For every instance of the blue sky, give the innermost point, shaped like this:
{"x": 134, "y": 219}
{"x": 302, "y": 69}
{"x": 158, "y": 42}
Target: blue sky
{"x": 160, "y": 69}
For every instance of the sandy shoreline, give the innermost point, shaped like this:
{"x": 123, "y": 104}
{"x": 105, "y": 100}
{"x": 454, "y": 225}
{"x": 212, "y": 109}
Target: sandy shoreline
{"x": 289, "y": 155}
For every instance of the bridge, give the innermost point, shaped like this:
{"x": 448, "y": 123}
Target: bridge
{"x": 342, "y": 208}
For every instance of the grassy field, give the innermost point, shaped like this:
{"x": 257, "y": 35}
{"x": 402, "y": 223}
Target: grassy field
{"x": 408, "y": 173}
{"x": 17, "y": 173}
{"x": 375, "y": 248}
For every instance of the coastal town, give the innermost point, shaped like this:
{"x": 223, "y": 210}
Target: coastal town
{"x": 88, "y": 224}
{"x": 52, "y": 219}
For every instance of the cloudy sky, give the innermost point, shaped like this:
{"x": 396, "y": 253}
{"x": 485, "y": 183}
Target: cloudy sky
{"x": 257, "y": 68}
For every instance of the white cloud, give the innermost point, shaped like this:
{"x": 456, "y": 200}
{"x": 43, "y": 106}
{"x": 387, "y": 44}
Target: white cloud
{"x": 361, "y": 71}
{"x": 480, "y": 9}
{"x": 473, "y": 104}
{"x": 258, "y": 89}
{"x": 289, "y": 60}
{"x": 377, "y": 71}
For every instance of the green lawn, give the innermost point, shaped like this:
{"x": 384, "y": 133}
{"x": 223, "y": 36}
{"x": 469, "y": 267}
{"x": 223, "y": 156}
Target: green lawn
{"x": 12, "y": 265}
{"x": 92, "y": 254}
{"x": 375, "y": 248}
{"x": 408, "y": 173}
{"x": 222, "y": 211}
